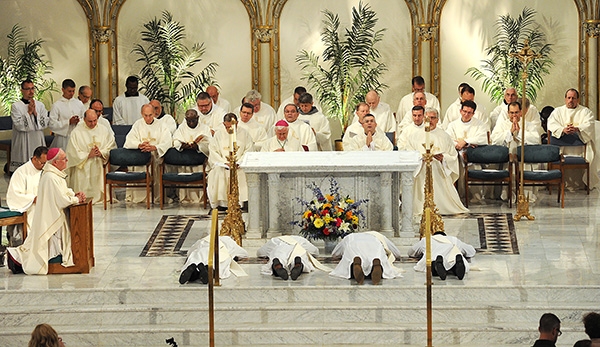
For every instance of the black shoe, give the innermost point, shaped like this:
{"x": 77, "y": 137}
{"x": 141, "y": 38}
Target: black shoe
{"x": 439, "y": 267}
{"x": 221, "y": 208}
{"x": 15, "y": 267}
{"x": 376, "y": 271}
{"x": 279, "y": 270}
{"x": 245, "y": 207}
{"x": 297, "y": 269}
{"x": 190, "y": 274}
{"x": 357, "y": 270}
{"x": 203, "y": 273}
{"x": 459, "y": 267}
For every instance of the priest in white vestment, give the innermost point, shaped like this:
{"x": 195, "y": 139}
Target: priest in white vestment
{"x": 210, "y": 114}
{"x": 148, "y": 135}
{"x": 405, "y": 120}
{"x": 166, "y": 119}
{"x": 49, "y": 235}
{"x": 215, "y": 95}
{"x": 29, "y": 118}
{"x": 418, "y": 117}
{"x": 89, "y": 147}
{"x": 282, "y": 142}
{"x": 453, "y": 111}
{"x": 65, "y": 115}
{"x": 255, "y": 129}
{"x": 371, "y": 138}
{"x": 574, "y": 119}
{"x": 356, "y": 127}
{"x": 196, "y": 264}
{"x": 191, "y": 135}
{"x": 448, "y": 253}
{"x": 510, "y": 96}
{"x": 264, "y": 114}
{"x": 383, "y": 115}
{"x": 309, "y": 114}
{"x": 127, "y": 107}
{"x": 532, "y": 115}
{"x": 370, "y": 248}
{"x": 291, "y": 254}
{"x": 299, "y": 129}
{"x": 218, "y": 176}
{"x": 98, "y": 106}
{"x": 444, "y": 167}
{"x": 85, "y": 96}
{"x": 22, "y": 192}
{"x": 406, "y": 103}
{"x": 293, "y": 99}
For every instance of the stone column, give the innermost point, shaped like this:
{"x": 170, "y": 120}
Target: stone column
{"x": 388, "y": 202}
{"x": 254, "y": 230}
{"x": 592, "y": 28}
{"x": 273, "y": 182}
{"x": 407, "y": 205}
{"x": 100, "y": 63}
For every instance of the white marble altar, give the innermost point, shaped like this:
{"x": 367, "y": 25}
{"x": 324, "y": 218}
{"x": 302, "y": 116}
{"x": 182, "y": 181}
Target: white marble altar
{"x": 275, "y": 180}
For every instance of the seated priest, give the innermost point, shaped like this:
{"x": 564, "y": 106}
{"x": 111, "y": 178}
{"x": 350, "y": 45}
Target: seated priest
{"x": 316, "y": 120}
{"x": 254, "y": 128}
{"x": 166, "y": 119}
{"x": 299, "y": 129}
{"x": 404, "y": 121}
{"x": 264, "y": 114}
{"x": 22, "y": 191}
{"x": 49, "y": 238}
{"x": 148, "y": 135}
{"x": 289, "y": 255}
{"x": 362, "y": 109}
{"x": 444, "y": 168}
{"x": 417, "y": 122}
{"x": 218, "y": 176}
{"x": 282, "y": 142}
{"x": 370, "y": 139}
{"x": 364, "y": 255}
{"x": 89, "y": 146}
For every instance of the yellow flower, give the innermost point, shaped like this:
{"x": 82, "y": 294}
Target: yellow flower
{"x": 349, "y": 201}
{"x": 306, "y": 214}
{"x": 327, "y": 219}
{"x": 329, "y": 197}
{"x": 327, "y": 205}
{"x": 355, "y": 219}
{"x": 318, "y": 223}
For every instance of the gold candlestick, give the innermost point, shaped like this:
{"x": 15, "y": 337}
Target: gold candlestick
{"x": 233, "y": 224}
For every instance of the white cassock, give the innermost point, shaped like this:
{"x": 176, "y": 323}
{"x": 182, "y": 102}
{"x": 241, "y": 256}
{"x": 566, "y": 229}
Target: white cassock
{"x": 60, "y": 114}
{"x": 156, "y": 135}
{"x": 27, "y": 132}
{"x": 213, "y": 118}
{"x": 265, "y": 117}
{"x": 257, "y": 133}
{"x": 320, "y": 125}
{"x": 368, "y": 246}
{"x": 383, "y": 117}
{"x": 290, "y": 100}
{"x": 404, "y": 122}
{"x": 286, "y": 249}
{"x": 289, "y": 145}
{"x": 446, "y": 246}
{"x": 104, "y": 122}
{"x": 228, "y": 250}
{"x": 406, "y": 103}
{"x": 49, "y": 235}
{"x": 402, "y": 139}
{"x": 473, "y": 132}
{"x": 583, "y": 118}
{"x": 303, "y": 133}
{"x": 359, "y": 142}
{"x": 128, "y": 109}
{"x": 444, "y": 174}
{"x": 224, "y": 104}
{"x": 87, "y": 174}
{"x": 22, "y": 190}
{"x": 218, "y": 176}
{"x": 532, "y": 115}
{"x": 185, "y": 134}
{"x": 453, "y": 113}
{"x": 355, "y": 128}
{"x": 169, "y": 122}
{"x": 501, "y": 109}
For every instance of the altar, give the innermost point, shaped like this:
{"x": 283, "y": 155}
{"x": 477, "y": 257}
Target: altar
{"x": 276, "y": 180}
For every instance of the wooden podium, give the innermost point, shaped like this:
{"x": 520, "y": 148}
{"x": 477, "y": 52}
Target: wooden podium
{"x": 81, "y": 224}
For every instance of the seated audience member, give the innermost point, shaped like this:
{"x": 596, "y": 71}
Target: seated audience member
{"x": 406, "y": 103}
{"x": 196, "y": 263}
{"x": 299, "y": 129}
{"x": 215, "y": 95}
{"x": 583, "y": 343}
{"x": 591, "y": 322}
{"x": 364, "y": 255}
{"x": 45, "y": 336}
{"x": 166, "y": 119}
{"x": 263, "y": 112}
{"x": 316, "y": 120}
{"x": 281, "y": 142}
{"x": 255, "y": 129}
{"x": 417, "y": 117}
{"x": 22, "y": 191}
{"x": 289, "y": 254}
{"x": 89, "y": 147}
{"x": 448, "y": 254}
{"x": 549, "y": 331}
{"x": 371, "y": 138}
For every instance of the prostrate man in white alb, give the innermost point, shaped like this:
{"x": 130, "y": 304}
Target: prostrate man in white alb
{"x": 444, "y": 167}
{"x": 289, "y": 255}
{"x": 84, "y": 94}
{"x": 89, "y": 147}
{"x": 364, "y": 255}
{"x": 574, "y": 119}
{"x": 281, "y": 142}
{"x": 406, "y": 103}
{"x": 217, "y": 99}
{"x": 49, "y": 236}
{"x": 210, "y": 114}
{"x": 453, "y": 111}
{"x": 29, "y": 118}
{"x": 418, "y": 117}
{"x": 65, "y": 115}
{"x": 98, "y": 107}
{"x": 148, "y": 135}
{"x": 255, "y": 129}
{"x": 126, "y": 107}
{"x": 263, "y": 112}
{"x": 218, "y": 176}
{"x": 316, "y": 120}
{"x": 381, "y": 111}
{"x": 448, "y": 254}
{"x": 404, "y": 121}
{"x": 165, "y": 119}
{"x": 510, "y": 96}
{"x": 22, "y": 192}
{"x": 299, "y": 130}
{"x": 371, "y": 139}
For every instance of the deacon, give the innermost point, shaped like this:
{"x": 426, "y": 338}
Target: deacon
{"x": 126, "y": 107}
{"x": 89, "y": 147}
{"x": 406, "y": 103}
{"x": 22, "y": 192}
{"x": 263, "y": 112}
{"x": 65, "y": 115}
{"x": 418, "y": 116}
{"x": 49, "y": 236}
{"x": 300, "y": 130}
{"x": 371, "y": 139}
{"x": 316, "y": 120}
{"x": 281, "y": 142}
{"x": 166, "y": 119}
{"x": 29, "y": 118}
{"x": 289, "y": 255}
{"x": 255, "y": 129}
{"x": 210, "y": 114}
{"x": 217, "y": 99}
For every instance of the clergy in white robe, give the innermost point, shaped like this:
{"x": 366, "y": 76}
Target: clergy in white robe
{"x": 197, "y": 260}
{"x": 89, "y": 147}
{"x": 218, "y": 176}
{"x": 255, "y": 129}
{"x": 417, "y": 117}
{"x": 264, "y": 114}
{"x": 210, "y": 114}
{"x": 406, "y": 103}
{"x": 453, "y": 111}
{"x": 444, "y": 167}
{"x": 371, "y": 138}
{"x": 299, "y": 129}
{"x": 293, "y": 99}
{"x": 368, "y": 246}
{"x": 165, "y": 119}
{"x": 404, "y": 120}
{"x": 127, "y": 107}
{"x": 148, "y": 135}
{"x": 65, "y": 115}
{"x": 84, "y": 94}
{"x": 467, "y": 131}
{"x": 510, "y": 95}
{"x": 98, "y": 106}
{"x": 383, "y": 115}
{"x": 316, "y": 120}
{"x": 49, "y": 235}
{"x": 191, "y": 135}
{"x": 286, "y": 249}
{"x": 532, "y": 115}
{"x": 217, "y": 99}
{"x": 356, "y": 127}
{"x": 282, "y": 142}
{"x": 574, "y": 119}
{"x": 29, "y": 118}
{"x": 22, "y": 192}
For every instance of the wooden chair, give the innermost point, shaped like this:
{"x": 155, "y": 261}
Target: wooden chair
{"x": 14, "y": 218}
{"x": 542, "y": 154}
{"x": 185, "y": 158}
{"x": 572, "y": 162}
{"x": 483, "y": 155}
{"x": 132, "y": 179}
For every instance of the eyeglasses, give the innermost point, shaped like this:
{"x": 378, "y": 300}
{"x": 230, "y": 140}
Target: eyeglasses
{"x": 30, "y": 88}
{"x": 558, "y": 332}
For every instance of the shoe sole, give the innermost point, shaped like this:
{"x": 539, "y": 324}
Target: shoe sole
{"x": 460, "y": 267}
{"x": 357, "y": 270}
{"x": 187, "y": 274}
{"x": 297, "y": 269}
{"x": 279, "y": 270}
{"x": 376, "y": 272}
{"x": 439, "y": 267}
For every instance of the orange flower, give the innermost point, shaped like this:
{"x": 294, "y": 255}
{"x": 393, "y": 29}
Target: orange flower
{"x": 329, "y": 197}
{"x": 349, "y": 214}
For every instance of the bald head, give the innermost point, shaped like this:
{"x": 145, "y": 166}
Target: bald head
{"x": 91, "y": 118}
{"x": 213, "y": 92}
{"x": 148, "y": 113}
{"x": 372, "y": 99}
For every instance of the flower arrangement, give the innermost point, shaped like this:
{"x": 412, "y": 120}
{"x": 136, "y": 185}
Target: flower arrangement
{"x": 329, "y": 216}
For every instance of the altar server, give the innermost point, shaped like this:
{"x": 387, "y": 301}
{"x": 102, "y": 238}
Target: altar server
{"x": 126, "y": 107}
{"x": 65, "y": 114}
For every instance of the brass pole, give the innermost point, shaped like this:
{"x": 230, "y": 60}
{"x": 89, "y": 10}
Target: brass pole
{"x": 213, "y": 274}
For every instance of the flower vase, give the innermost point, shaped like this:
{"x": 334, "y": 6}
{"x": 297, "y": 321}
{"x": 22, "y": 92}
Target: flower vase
{"x": 330, "y": 245}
